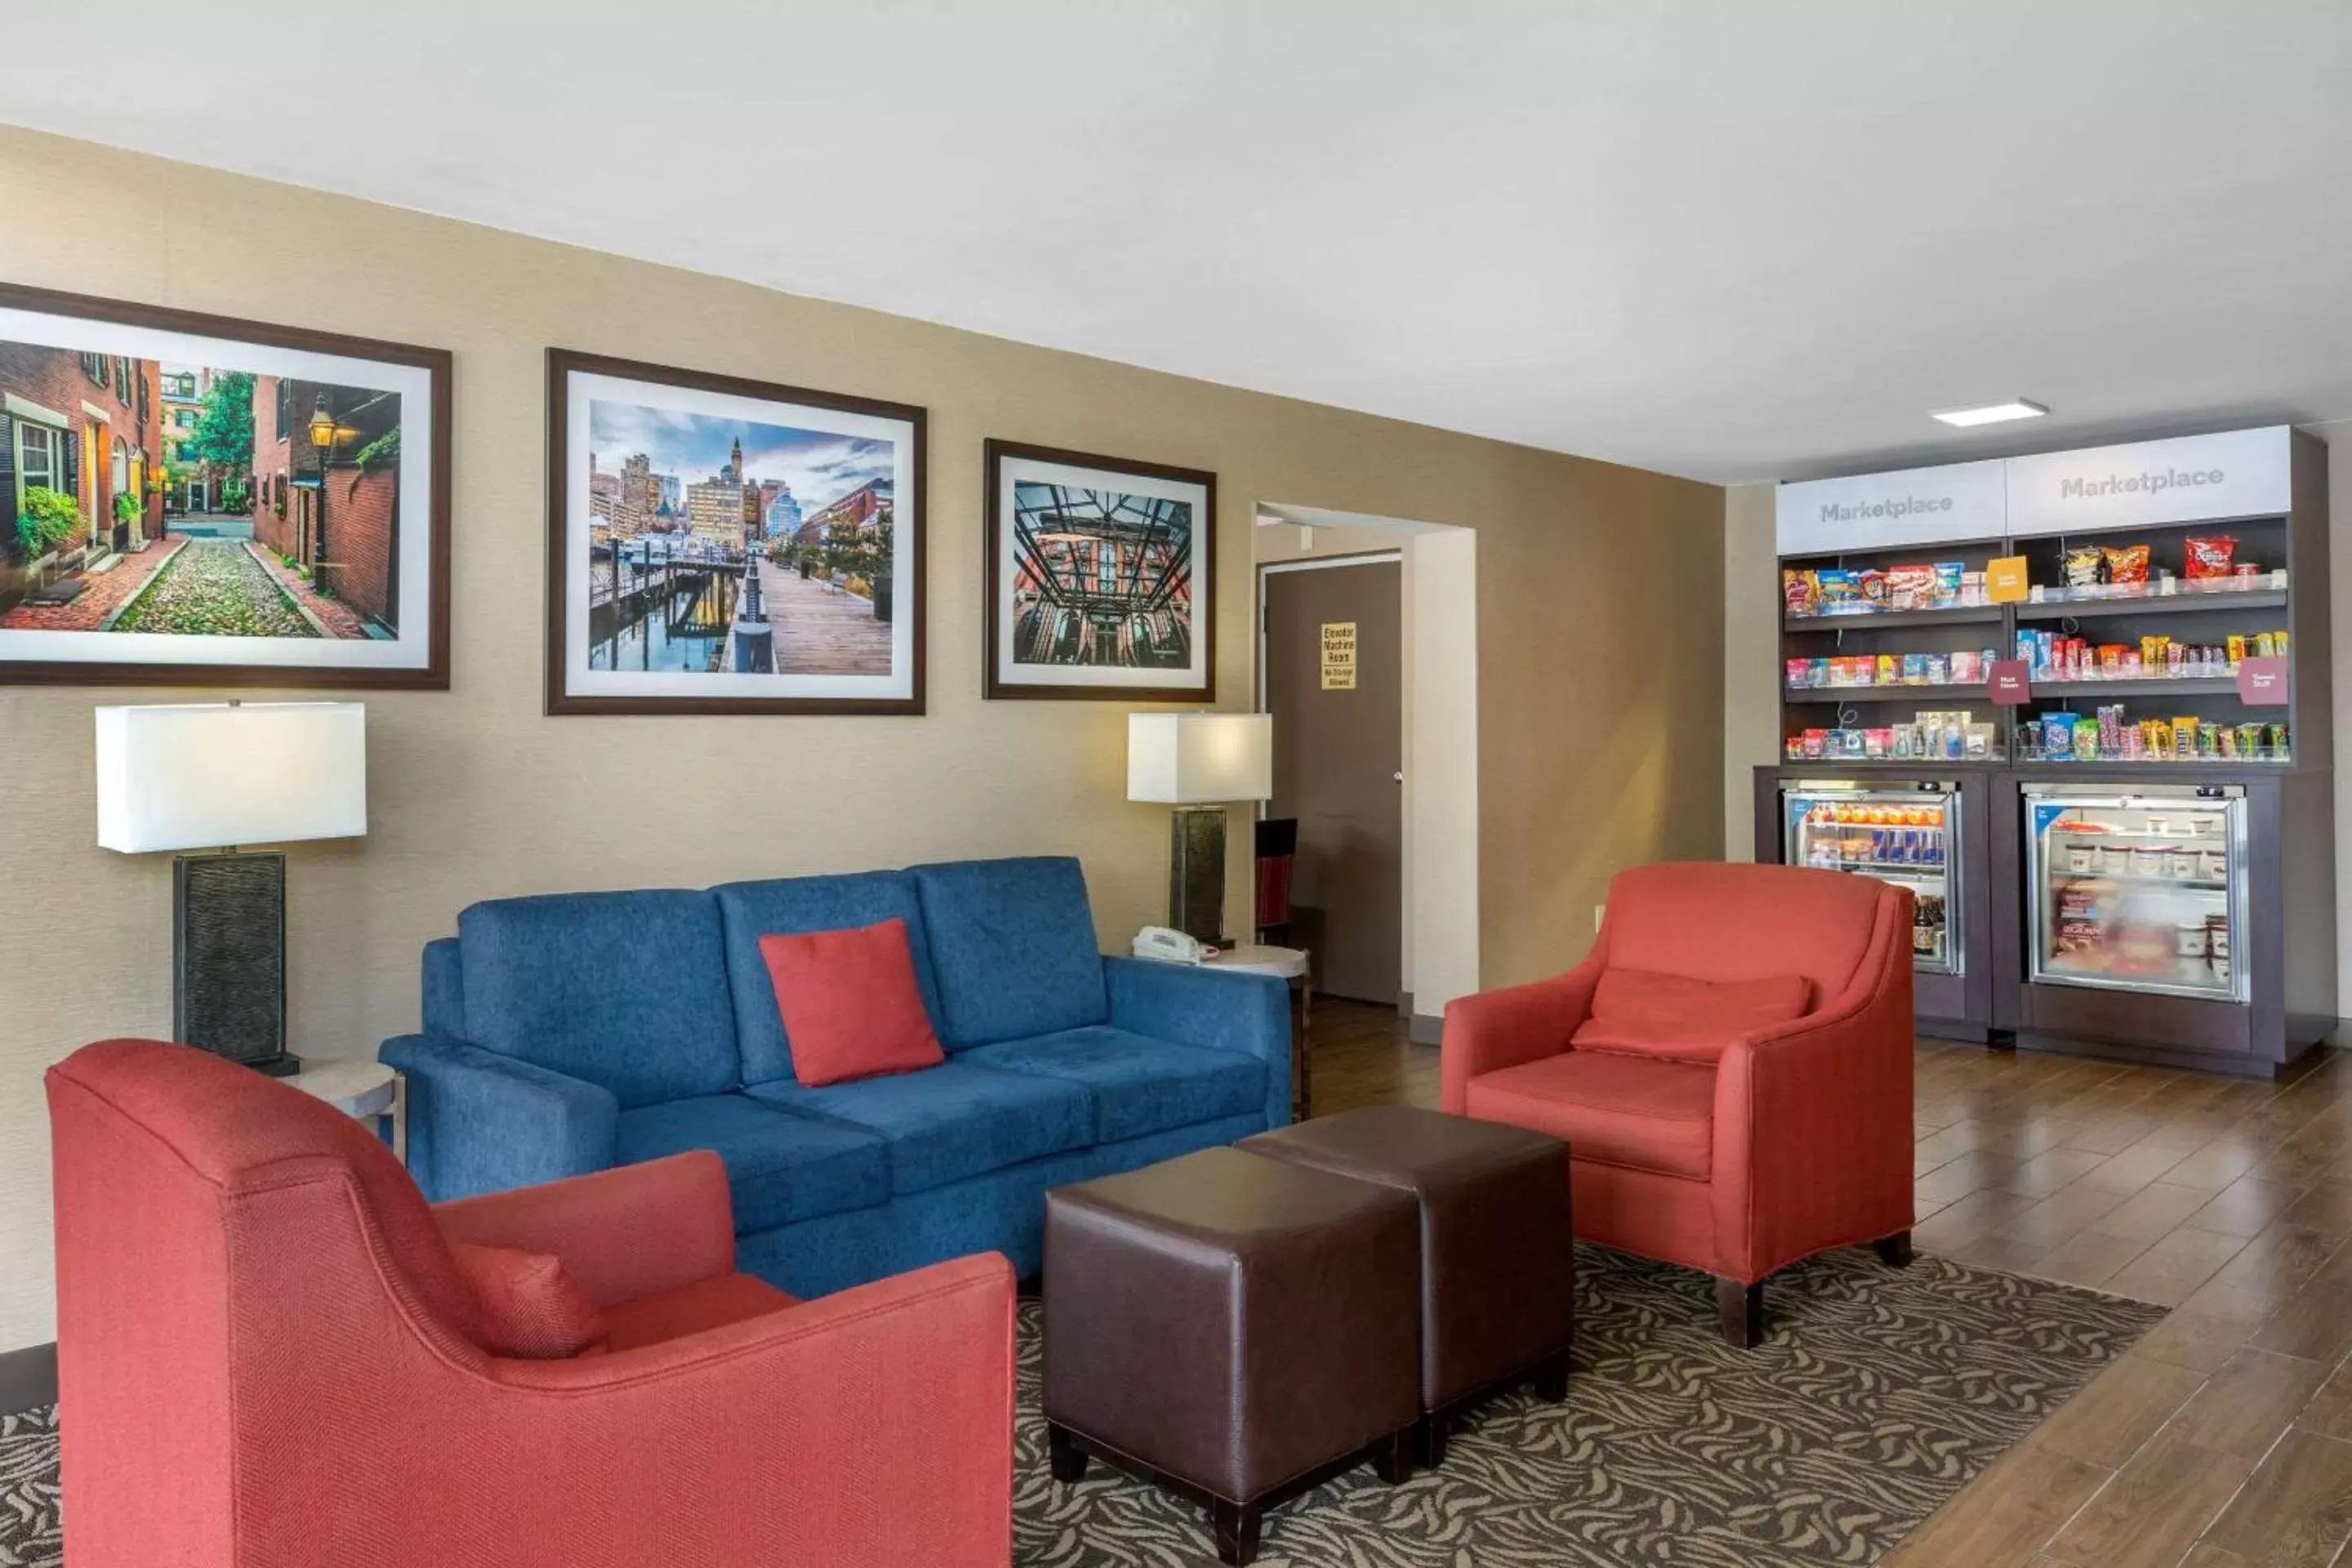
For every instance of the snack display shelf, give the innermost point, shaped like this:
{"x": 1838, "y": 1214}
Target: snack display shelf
{"x": 2147, "y": 878}
{"x": 1974, "y": 689}
{"x": 2152, "y": 603}
{"x": 1909, "y": 871}
{"x": 2139, "y": 686}
{"x": 1950, "y": 614}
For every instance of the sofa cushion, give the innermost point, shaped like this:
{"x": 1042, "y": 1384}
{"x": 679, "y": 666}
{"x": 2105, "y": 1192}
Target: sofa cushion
{"x": 626, "y": 990}
{"x": 850, "y": 999}
{"x": 1734, "y": 921}
{"x": 1139, "y": 1084}
{"x": 1676, "y": 1016}
{"x": 1645, "y": 1115}
{"x": 780, "y": 1167}
{"x": 530, "y": 1309}
{"x": 950, "y": 1121}
{"x": 1013, "y": 948}
{"x": 750, "y": 910}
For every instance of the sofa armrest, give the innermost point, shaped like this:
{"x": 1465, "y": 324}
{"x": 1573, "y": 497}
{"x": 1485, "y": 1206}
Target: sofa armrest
{"x": 1812, "y": 1118}
{"x": 1217, "y": 1008}
{"x": 480, "y": 1121}
{"x": 1519, "y": 1024}
{"x": 622, "y": 1234}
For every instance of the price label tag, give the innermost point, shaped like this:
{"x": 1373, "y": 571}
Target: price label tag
{"x": 2261, "y": 682}
{"x": 2005, "y": 580}
{"x": 2005, "y": 683}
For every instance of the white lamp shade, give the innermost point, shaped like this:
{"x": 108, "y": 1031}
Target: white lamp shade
{"x": 1187, "y": 759}
{"x": 209, "y": 776}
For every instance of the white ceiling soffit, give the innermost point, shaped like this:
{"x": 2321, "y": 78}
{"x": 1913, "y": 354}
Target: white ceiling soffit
{"x": 1719, "y": 239}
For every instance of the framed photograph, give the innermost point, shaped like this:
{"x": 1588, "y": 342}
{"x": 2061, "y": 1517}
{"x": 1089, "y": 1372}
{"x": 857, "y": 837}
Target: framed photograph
{"x": 1099, "y": 577}
{"x": 717, "y": 545}
{"x": 191, "y": 500}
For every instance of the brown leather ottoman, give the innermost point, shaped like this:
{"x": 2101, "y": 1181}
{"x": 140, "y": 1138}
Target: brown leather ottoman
{"x": 1237, "y": 1329}
{"x": 1498, "y": 1254}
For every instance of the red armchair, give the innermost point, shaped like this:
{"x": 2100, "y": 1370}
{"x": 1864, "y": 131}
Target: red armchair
{"x": 1735, "y": 1125}
{"x": 267, "y": 1360}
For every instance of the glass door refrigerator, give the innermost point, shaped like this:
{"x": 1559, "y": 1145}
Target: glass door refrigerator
{"x": 1906, "y": 833}
{"x": 2138, "y": 888}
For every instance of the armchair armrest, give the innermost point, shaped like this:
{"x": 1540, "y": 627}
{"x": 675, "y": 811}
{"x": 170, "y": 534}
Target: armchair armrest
{"x": 1813, "y": 1119}
{"x": 1519, "y": 1024}
{"x": 622, "y": 1234}
{"x": 1217, "y": 1008}
{"x": 872, "y": 1426}
{"x": 480, "y": 1121}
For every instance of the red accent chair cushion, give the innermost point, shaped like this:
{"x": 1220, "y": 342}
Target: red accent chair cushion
{"x": 1684, "y": 1019}
{"x": 529, "y": 1307}
{"x": 689, "y": 1308}
{"x": 850, "y": 1003}
{"x": 1617, "y": 1110}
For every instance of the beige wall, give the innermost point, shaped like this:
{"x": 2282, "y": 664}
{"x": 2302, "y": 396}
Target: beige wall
{"x": 1595, "y": 753}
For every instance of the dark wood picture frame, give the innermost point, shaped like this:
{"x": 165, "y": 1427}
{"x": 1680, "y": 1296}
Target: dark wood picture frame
{"x": 432, "y": 675}
{"x": 1203, "y": 577}
{"x": 912, "y": 545}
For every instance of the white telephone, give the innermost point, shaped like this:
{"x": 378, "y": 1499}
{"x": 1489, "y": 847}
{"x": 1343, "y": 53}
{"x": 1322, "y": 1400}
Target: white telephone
{"x": 1171, "y": 946}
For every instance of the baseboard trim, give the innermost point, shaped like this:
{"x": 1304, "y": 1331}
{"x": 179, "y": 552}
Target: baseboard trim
{"x": 1425, "y": 1030}
{"x": 28, "y": 1379}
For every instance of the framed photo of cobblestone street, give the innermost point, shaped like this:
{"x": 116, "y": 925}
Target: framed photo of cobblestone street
{"x": 719, "y": 545}
{"x": 191, "y": 500}
{"x": 1099, "y": 572}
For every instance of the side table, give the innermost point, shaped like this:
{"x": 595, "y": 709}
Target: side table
{"x": 366, "y": 1092}
{"x": 1291, "y": 965}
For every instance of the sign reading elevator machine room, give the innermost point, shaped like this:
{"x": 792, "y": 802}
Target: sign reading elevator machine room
{"x": 1339, "y": 656}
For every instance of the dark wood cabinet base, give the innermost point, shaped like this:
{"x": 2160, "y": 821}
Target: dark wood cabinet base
{"x": 1742, "y": 1308}
{"x": 1238, "y": 1523}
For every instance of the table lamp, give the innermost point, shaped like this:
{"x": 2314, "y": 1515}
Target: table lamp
{"x": 211, "y": 776}
{"x": 1198, "y": 762}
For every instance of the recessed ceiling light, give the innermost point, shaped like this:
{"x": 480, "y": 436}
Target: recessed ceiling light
{"x": 1990, "y": 412}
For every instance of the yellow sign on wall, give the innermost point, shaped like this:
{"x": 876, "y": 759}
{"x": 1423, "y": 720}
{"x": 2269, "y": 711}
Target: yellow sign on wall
{"x": 1339, "y": 656}
{"x": 2005, "y": 581}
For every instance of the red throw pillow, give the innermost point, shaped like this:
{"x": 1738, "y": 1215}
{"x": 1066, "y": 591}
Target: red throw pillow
{"x": 1677, "y": 1017}
{"x": 850, "y": 1004}
{"x": 530, "y": 1309}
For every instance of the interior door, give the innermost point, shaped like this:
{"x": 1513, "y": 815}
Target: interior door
{"x": 1338, "y": 761}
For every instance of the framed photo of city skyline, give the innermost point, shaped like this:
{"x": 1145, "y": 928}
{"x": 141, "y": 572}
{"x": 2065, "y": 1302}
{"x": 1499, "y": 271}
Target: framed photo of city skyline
{"x": 190, "y": 500}
{"x": 1100, "y": 574}
{"x": 720, "y": 545}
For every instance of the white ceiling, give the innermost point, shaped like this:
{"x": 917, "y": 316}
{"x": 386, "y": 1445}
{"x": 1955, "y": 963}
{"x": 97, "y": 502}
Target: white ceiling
{"x": 1721, "y": 237}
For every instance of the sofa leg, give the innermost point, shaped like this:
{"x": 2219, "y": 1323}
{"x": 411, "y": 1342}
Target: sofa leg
{"x": 1742, "y": 1308}
{"x": 1068, "y": 1459}
{"x": 1392, "y": 1459}
{"x": 1237, "y": 1527}
{"x": 1894, "y": 1251}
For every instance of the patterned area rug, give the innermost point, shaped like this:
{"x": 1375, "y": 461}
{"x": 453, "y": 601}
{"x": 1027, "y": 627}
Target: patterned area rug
{"x": 1876, "y": 1396}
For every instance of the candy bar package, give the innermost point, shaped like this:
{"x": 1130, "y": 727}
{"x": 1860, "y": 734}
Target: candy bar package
{"x": 1871, "y": 583}
{"x": 1915, "y": 669}
{"x": 1800, "y": 593}
{"x": 1837, "y": 591}
{"x": 2086, "y": 565}
{"x": 2058, "y": 737}
{"x": 2209, "y": 555}
{"x": 1939, "y": 669}
{"x": 2126, "y": 564}
{"x": 1910, "y": 587}
{"x": 2086, "y": 738}
{"x": 1890, "y": 669}
{"x": 1951, "y": 576}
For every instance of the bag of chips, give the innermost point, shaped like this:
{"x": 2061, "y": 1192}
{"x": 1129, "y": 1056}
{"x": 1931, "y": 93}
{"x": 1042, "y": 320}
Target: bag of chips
{"x": 1910, "y": 587}
{"x": 2086, "y": 565}
{"x": 1800, "y": 593}
{"x": 2209, "y": 555}
{"x": 1838, "y": 591}
{"x": 2126, "y": 562}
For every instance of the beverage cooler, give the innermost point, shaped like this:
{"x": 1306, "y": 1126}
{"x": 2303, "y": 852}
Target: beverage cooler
{"x": 1924, "y": 833}
{"x": 2190, "y": 923}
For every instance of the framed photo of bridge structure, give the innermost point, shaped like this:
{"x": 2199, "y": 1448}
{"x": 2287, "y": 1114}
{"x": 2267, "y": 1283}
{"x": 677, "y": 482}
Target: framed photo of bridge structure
{"x": 1099, "y": 576}
{"x": 719, "y": 545}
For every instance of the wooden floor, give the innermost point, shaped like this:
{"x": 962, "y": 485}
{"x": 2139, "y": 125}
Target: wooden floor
{"x": 2223, "y": 1439}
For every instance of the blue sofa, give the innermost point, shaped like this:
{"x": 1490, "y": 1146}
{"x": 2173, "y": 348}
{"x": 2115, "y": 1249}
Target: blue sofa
{"x": 567, "y": 1033}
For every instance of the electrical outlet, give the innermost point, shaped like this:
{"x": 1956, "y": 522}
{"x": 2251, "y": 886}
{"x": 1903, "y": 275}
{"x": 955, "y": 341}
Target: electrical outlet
{"x": 1597, "y": 910}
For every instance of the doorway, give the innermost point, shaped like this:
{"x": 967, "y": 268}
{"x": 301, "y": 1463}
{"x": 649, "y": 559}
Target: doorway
{"x": 1334, "y": 681}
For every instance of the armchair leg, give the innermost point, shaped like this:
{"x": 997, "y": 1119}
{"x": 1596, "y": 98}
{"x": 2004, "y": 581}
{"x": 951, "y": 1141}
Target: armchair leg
{"x": 1741, "y": 1309}
{"x": 1894, "y": 1251}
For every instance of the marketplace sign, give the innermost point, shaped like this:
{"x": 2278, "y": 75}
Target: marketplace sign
{"x": 2196, "y": 479}
{"x": 1871, "y": 511}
